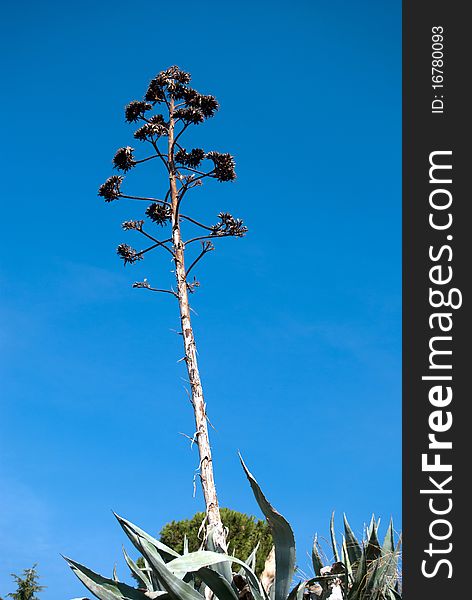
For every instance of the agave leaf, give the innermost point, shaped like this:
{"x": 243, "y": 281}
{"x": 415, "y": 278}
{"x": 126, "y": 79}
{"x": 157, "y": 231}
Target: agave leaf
{"x": 333, "y": 539}
{"x": 115, "y": 573}
{"x": 196, "y": 560}
{"x": 251, "y": 559}
{"x": 173, "y": 585}
{"x": 223, "y": 568}
{"x": 152, "y": 555}
{"x": 204, "y": 558}
{"x": 388, "y": 574}
{"x": 134, "y": 533}
{"x": 348, "y": 578}
{"x": 388, "y": 569}
{"x": 185, "y": 544}
{"x": 103, "y": 588}
{"x": 346, "y": 561}
{"x": 372, "y": 580}
{"x": 218, "y": 584}
{"x": 315, "y": 557}
{"x": 257, "y": 590}
{"x": 388, "y": 546}
{"x": 392, "y": 573}
{"x": 378, "y": 585}
{"x": 359, "y": 578}
{"x": 150, "y": 552}
{"x": 137, "y": 571}
{"x": 152, "y": 576}
{"x": 284, "y": 540}
{"x": 384, "y": 567}
{"x": 373, "y": 550}
{"x": 297, "y": 592}
{"x": 352, "y": 545}
{"x": 255, "y": 586}
{"x": 345, "y": 557}
{"x": 371, "y": 525}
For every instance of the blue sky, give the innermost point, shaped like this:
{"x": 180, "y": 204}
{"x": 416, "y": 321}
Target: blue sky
{"x": 298, "y": 324}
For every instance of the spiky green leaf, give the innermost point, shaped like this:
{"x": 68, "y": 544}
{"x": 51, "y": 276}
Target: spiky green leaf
{"x": 360, "y": 575}
{"x": 251, "y": 559}
{"x": 204, "y": 558}
{"x": 373, "y": 550}
{"x": 389, "y": 566}
{"x": 134, "y": 533}
{"x": 104, "y": 588}
{"x": 316, "y": 558}
{"x": 346, "y": 561}
{"x": 223, "y": 568}
{"x": 284, "y": 540}
{"x": 352, "y": 545}
{"x": 373, "y": 580}
{"x": 388, "y": 545}
{"x": 297, "y": 592}
{"x": 193, "y": 561}
{"x": 137, "y": 571}
{"x": 173, "y": 585}
{"x": 218, "y": 584}
{"x": 333, "y": 539}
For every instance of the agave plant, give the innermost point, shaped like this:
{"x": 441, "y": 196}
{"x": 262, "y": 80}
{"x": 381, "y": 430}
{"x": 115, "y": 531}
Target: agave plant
{"x": 208, "y": 572}
{"x": 363, "y": 570}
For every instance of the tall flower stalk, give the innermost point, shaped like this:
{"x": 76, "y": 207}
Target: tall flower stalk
{"x": 181, "y": 106}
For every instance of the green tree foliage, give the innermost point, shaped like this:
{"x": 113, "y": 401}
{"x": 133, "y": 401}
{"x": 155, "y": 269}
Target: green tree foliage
{"x": 244, "y": 533}
{"x": 27, "y": 585}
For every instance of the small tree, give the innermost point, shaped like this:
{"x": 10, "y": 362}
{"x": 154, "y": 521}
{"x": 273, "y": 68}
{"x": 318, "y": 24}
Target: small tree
{"x": 182, "y": 106}
{"x": 27, "y": 585}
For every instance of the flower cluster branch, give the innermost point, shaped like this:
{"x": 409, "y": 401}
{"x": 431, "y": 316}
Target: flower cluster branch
{"x": 169, "y": 92}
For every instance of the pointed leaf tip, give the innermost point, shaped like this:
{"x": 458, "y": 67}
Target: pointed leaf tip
{"x": 352, "y": 545}
{"x": 282, "y": 534}
{"x": 102, "y": 587}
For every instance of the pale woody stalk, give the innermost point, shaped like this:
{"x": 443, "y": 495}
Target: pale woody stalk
{"x": 201, "y": 423}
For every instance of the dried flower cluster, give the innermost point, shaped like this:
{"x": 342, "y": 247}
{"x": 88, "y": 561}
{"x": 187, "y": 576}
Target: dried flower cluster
{"x": 170, "y": 89}
{"x": 110, "y": 190}
{"x": 190, "y": 115}
{"x": 155, "y": 92}
{"x": 207, "y": 105}
{"x": 159, "y": 213}
{"x": 174, "y": 82}
{"x": 128, "y": 254}
{"x": 169, "y": 80}
{"x": 190, "y": 159}
{"x": 135, "y": 110}
{"x": 142, "y": 284}
{"x": 124, "y": 159}
{"x": 229, "y": 226}
{"x": 224, "y": 166}
{"x": 153, "y": 129}
{"x": 129, "y": 225}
